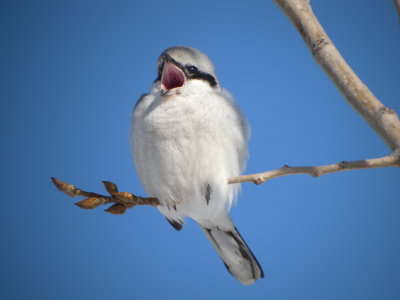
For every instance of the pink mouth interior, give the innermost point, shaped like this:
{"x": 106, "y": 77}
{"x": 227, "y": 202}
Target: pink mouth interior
{"x": 172, "y": 77}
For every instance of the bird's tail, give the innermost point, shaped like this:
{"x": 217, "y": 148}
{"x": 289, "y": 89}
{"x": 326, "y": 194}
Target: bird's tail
{"x": 236, "y": 255}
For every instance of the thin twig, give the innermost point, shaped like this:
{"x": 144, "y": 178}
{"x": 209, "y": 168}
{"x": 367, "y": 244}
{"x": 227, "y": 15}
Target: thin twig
{"x": 392, "y": 160}
{"x": 124, "y": 200}
{"x": 121, "y": 200}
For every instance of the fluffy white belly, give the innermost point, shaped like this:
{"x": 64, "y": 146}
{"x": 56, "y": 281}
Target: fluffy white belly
{"x": 185, "y": 149}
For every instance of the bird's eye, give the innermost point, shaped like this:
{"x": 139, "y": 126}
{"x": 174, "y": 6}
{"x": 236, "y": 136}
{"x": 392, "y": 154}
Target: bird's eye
{"x": 192, "y": 69}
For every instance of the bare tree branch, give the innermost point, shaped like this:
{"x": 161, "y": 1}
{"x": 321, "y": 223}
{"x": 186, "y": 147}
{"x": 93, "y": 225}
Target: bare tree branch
{"x": 382, "y": 119}
{"x": 392, "y": 160}
{"x": 121, "y": 200}
{"x": 124, "y": 200}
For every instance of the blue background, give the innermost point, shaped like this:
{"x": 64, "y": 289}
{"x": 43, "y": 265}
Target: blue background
{"x": 71, "y": 72}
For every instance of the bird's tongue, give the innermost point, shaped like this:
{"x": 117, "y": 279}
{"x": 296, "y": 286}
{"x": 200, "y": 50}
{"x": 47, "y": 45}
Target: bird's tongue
{"x": 172, "y": 77}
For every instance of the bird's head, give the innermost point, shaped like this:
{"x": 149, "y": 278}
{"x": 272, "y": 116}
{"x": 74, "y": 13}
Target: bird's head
{"x": 179, "y": 65}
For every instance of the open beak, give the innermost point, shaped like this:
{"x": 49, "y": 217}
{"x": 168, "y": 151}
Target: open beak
{"x": 172, "y": 77}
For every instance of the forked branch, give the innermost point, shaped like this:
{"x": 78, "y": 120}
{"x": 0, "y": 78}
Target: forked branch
{"x": 382, "y": 119}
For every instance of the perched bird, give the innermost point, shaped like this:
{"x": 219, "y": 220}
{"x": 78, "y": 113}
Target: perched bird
{"x": 188, "y": 138}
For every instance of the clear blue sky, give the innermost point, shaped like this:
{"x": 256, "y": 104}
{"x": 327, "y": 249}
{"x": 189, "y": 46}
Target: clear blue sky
{"x": 71, "y": 72}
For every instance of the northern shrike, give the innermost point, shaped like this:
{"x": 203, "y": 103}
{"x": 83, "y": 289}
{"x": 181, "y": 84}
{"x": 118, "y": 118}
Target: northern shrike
{"x": 188, "y": 138}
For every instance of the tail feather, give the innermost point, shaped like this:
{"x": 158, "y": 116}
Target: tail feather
{"x": 177, "y": 225}
{"x": 236, "y": 255}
